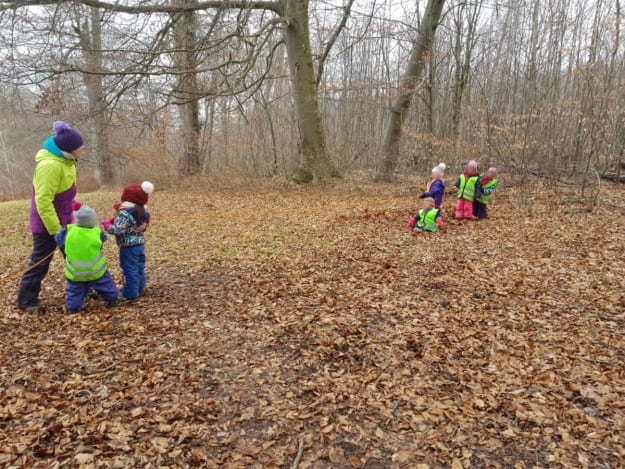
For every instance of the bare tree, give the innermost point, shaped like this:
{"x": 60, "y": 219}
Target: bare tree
{"x": 536, "y": 85}
{"x": 407, "y": 87}
{"x": 89, "y": 32}
{"x": 465, "y": 20}
{"x": 187, "y": 92}
{"x": 316, "y": 161}
{"x": 290, "y": 15}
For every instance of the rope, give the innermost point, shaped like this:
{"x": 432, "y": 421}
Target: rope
{"x": 10, "y": 276}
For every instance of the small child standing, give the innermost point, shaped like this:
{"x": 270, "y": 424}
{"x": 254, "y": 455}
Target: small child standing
{"x": 468, "y": 190}
{"x": 129, "y": 225}
{"x": 488, "y": 184}
{"x": 436, "y": 186}
{"x": 428, "y": 220}
{"x": 85, "y": 265}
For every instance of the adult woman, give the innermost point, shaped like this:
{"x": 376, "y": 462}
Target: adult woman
{"x": 54, "y": 189}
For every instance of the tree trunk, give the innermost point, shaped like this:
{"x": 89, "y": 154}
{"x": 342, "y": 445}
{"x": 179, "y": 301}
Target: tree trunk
{"x": 619, "y": 133}
{"x": 91, "y": 46}
{"x": 209, "y": 127}
{"x": 186, "y": 92}
{"x": 463, "y": 52}
{"x": 459, "y": 77}
{"x": 430, "y": 104}
{"x": 316, "y": 164}
{"x": 407, "y": 86}
{"x": 272, "y": 135}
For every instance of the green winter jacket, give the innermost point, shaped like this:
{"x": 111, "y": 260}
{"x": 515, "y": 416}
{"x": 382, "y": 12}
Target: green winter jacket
{"x": 54, "y": 188}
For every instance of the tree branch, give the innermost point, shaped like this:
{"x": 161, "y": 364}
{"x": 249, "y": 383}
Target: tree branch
{"x": 275, "y": 6}
{"x": 346, "y": 13}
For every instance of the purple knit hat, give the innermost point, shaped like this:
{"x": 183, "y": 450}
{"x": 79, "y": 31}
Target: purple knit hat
{"x": 66, "y": 138}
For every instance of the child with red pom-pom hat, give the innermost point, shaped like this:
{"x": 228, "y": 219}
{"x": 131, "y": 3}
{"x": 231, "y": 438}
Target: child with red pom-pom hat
{"x": 129, "y": 225}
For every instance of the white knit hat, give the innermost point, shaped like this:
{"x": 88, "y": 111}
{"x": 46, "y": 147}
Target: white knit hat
{"x": 437, "y": 171}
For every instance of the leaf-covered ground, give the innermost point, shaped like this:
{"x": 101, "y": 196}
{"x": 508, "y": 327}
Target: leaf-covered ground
{"x": 306, "y": 327}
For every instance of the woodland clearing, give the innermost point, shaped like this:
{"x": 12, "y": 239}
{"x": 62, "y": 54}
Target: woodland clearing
{"x": 305, "y": 327}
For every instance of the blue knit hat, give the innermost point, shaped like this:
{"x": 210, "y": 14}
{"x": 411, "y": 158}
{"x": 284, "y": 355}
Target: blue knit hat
{"x": 66, "y": 138}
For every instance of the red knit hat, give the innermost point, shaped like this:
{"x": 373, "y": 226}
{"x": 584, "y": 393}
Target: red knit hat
{"x": 138, "y": 193}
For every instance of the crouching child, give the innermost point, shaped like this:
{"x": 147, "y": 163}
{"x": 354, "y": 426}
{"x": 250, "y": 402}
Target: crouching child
{"x": 428, "y": 220}
{"x": 85, "y": 266}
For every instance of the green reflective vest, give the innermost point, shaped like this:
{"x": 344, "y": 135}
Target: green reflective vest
{"x": 427, "y": 220}
{"x": 84, "y": 260}
{"x": 466, "y": 189}
{"x": 485, "y": 198}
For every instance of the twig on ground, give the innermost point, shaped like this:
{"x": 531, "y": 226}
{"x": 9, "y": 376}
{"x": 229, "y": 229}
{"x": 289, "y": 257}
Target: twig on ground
{"x": 395, "y": 407}
{"x": 379, "y": 375}
{"x": 300, "y": 451}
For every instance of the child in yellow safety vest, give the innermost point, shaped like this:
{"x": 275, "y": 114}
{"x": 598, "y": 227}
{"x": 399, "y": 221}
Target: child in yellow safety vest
{"x": 488, "y": 184}
{"x": 468, "y": 190}
{"x": 428, "y": 220}
{"x": 85, "y": 265}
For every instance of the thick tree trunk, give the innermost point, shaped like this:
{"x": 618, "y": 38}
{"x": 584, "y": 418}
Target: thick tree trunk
{"x": 407, "y": 88}
{"x": 191, "y": 162}
{"x": 186, "y": 92}
{"x": 91, "y": 45}
{"x": 316, "y": 164}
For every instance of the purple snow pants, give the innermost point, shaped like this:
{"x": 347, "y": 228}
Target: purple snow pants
{"x": 77, "y": 291}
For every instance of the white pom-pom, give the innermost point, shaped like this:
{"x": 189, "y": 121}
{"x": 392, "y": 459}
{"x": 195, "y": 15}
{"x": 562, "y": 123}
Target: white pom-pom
{"x": 147, "y": 187}
{"x": 443, "y": 166}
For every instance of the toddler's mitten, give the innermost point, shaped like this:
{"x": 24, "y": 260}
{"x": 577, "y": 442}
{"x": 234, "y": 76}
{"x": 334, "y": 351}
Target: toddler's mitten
{"x": 76, "y": 205}
{"x": 422, "y": 196}
{"x": 106, "y": 224}
{"x": 411, "y": 222}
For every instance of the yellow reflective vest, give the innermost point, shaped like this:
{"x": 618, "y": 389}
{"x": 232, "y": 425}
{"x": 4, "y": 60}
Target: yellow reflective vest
{"x": 492, "y": 184}
{"x": 84, "y": 260}
{"x": 427, "y": 221}
{"x": 466, "y": 188}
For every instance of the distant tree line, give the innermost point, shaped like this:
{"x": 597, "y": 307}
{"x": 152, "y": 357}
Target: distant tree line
{"x": 310, "y": 90}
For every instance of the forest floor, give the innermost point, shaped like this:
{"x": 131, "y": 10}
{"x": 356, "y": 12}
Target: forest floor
{"x": 306, "y": 327}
